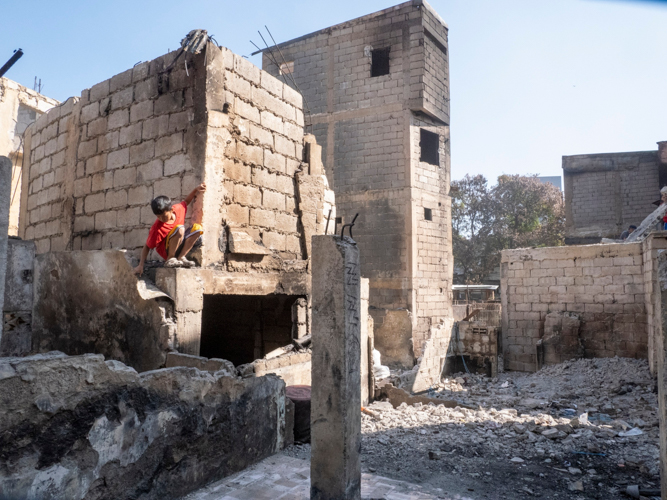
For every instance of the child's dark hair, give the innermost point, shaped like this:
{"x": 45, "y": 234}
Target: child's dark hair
{"x": 161, "y": 204}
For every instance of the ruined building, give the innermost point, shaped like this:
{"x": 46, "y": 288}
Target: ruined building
{"x": 376, "y": 97}
{"x": 605, "y": 193}
{"x": 161, "y": 128}
{"x": 19, "y": 107}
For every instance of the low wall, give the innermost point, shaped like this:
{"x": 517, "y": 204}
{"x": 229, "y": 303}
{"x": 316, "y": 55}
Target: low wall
{"x": 81, "y": 427}
{"x": 88, "y": 302}
{"x": 16, "y": 335}
{"x": 602, "y": 285}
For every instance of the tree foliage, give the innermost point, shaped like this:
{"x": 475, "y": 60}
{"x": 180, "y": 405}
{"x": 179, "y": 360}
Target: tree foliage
{"x": 519, "y": 211}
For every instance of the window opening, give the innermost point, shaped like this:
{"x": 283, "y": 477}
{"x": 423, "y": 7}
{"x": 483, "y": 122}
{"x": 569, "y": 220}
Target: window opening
{"x": 380, "y": 62}
{"x": 429, "y": 143}
{"x": 428, "y": 214}
{"x": 287, "y": 68}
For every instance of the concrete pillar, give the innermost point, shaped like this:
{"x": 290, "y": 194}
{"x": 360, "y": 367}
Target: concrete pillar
{"x": 5, "y": 202}
{"x": 335, "y": 466}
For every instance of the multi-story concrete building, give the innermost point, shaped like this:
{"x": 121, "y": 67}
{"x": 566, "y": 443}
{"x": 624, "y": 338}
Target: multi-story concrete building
{"x": 376, "y": 96}
{"x": 604, "y": 193}
{"x": 19, "y": 107}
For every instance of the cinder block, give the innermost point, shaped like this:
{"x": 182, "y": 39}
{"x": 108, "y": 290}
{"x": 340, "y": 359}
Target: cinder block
{"x": 118, "y": 159}
{"x": 125, "y": 177}
{"x": 129, "y": 217}
{"x": 177, "y": 164}
{"x": 274, "y": 161}
{"x": 237, "y": 171}
{"x": 170, "y": 187}
{"x": 149, "y": 171}
{"x": 168, "y": 145}
{"x": 122, "y": 98}
{"x": 130, "y": 134}
{"x": 246, "y": 69}
{"x": 273, "y": 200}
{"x": 113, "y": 239}
{"x": 105, "y": 220}
{"x": 118, "y": 119}
{"x": 273, "y": 240}
{"x": 94, "y": 203}
{"x": 115, "y": 199}
{"x": 247, "y": 195}
{"x": 102, "y": 181}
{"x": 250, "y": 153}
{"x": 139, "y": 195}
{"x": 143, "y": 152}
{"x": 262, "y": 218}
{"x": 237, "y": 215}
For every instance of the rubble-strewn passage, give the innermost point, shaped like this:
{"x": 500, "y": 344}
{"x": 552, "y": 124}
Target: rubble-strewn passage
{"x": 527, "y": 437}
{"x": 82, "y": 427}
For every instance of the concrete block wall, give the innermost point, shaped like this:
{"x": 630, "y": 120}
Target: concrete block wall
{"x": 159, "y": 129}
{"x": 605, "y": 193}
{"x": 652, "y": 246}
{"x": 369, "y": 131}
{"x": 98, "y": 160}
{"x": 604, "y": 284}
{"x": 254, "y": 149}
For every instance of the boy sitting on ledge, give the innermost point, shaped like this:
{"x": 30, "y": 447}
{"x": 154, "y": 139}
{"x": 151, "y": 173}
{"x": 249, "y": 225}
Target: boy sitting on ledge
{"x": 168, "y": 235}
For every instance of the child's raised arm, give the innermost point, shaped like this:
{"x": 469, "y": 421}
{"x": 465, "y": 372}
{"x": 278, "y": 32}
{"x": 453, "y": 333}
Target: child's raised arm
{"x": 199, "y": 189}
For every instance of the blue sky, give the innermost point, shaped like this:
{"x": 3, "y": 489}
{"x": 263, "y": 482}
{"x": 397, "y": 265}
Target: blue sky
{"x": 531, "y": 80}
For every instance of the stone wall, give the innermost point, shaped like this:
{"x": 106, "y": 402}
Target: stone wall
{"x": 605, "y": 193}
{"x": 603, "y": 285}
{"x": 369, "y": 128}
{"x": 80, "y": 427}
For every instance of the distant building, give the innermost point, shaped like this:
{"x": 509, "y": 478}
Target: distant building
{"x": 551, "y": 179}
{"x": 605, "y": 193}
{"x": 19, "y": 107}
{"x": 474, "y": 293}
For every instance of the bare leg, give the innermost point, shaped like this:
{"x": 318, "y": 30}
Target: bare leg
{"x": 187, "y": 246}
{"x": 175, "y": 242}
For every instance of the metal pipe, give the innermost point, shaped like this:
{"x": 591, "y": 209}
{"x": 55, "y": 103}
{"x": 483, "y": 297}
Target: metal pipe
{"x": 17, "y": 55}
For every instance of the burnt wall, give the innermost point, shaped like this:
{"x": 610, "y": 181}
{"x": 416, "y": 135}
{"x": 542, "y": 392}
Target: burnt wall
{"x": 88, "y": 302}
{"x": 80, "y": 427}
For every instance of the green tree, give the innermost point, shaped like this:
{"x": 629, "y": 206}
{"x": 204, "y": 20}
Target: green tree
{"x": 519, "y": 211}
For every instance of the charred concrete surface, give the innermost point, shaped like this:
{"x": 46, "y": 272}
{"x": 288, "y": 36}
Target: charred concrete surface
{"x": 88, "y": 302}
{"x": 82, "y": 427}
{"x": 16, "y": 338}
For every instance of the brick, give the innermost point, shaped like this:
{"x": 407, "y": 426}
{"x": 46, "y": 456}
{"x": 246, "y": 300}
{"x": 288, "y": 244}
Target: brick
{"x": 129, "y": 217}
{"x": 141, "y": 111}
{"x": 99, "y": 90}
{"x": 142, "y": 153}
{"x": 82, "y": 187}
{"x": 274, "y": 241}
{"x": 113, "y": 239}
{"x": 177, "y": 164}
{"x": 273, "y": 200}
{"x": 262, "y": 218}
{"x": 87, "y": 149}
{"x": 169, "y": 103}
{"x": 237, "y": 171}
{"x": 155, "y": 127}
{"x": 247, "y": 195}
{"x": 118, "y": 119}
{"x": 105, "y": 220}
{"x": 139, "y": 195}
{"x": 274, "y": 161}
{"x": 97, "y": 127}
{"x": 130, "y": 134}
{"x": 120, "y": 81}
{"x": 102, "y": 181}
{"x": 170, "y": 187}
{"x": 118, "y": 159}
{"x": 272, "y": 122}
{"x": 146, "y": 89}
{"x": 250, "y": 153}
{"x": 115, "y": 199}
{"x": 125, "y": 177}
{"x": 149, "y": 171}
{"x": 108, "y": 141}
{"x": 286, "y": 223}
{"x": 84, "y": 223}
{"x": 90, "y": 112}
{"x": 285, "y": 146}
{"x": 170, "y": 144}
{"x": 237, "y": 215}
{"x": 94, "y": 203}
{"x": 122, "y": 98}
{"x": 246, "y": 110}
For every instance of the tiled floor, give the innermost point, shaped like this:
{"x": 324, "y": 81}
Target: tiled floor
{"x": 285, "y": 478}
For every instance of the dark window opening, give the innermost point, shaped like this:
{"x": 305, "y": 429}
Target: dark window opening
{"x": 430, "y": 145}
{"x": 428, "y": 214}
{"x": 339, "y": 220}
{"x": 380, "y": 62}
{"x": 243, "y": 328}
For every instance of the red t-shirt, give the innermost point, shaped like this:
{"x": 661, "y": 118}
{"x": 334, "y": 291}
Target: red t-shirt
{"x": 157, "y": 236}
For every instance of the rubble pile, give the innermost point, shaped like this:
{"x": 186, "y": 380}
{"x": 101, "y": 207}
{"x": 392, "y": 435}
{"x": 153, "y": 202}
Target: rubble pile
{"x": 581, "y": 429}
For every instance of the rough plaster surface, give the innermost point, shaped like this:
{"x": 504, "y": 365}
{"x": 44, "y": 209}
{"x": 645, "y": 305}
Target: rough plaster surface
{"x": 88, "y": 302}
{"x": 336, "y": 397}
{"x": 82, "y": 427}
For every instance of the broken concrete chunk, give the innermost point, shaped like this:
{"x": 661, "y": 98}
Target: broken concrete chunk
{"x": 212, "y": 365}
{"x": 242, "y": 242}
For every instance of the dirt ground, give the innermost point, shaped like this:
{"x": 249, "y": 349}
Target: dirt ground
{"x": 554, "y": 434}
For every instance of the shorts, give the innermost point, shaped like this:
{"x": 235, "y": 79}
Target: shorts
{"x": 193, "y": 229}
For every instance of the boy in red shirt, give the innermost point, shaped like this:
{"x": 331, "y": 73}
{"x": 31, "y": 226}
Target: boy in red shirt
{"x": 168, "y": 235}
